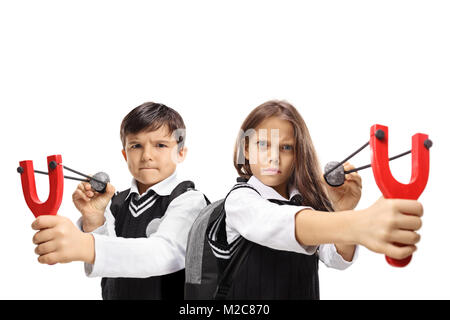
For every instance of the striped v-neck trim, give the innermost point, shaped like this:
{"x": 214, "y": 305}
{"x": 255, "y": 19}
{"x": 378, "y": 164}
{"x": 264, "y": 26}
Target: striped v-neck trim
{"x": 137, "y": 207}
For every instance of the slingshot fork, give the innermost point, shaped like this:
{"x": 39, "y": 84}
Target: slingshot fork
{"x": 388, "y": 185}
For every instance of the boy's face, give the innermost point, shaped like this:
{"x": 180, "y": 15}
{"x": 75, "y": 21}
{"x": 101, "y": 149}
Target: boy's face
{"x": 152, "y": 156}
{"x": 271, "y": 153}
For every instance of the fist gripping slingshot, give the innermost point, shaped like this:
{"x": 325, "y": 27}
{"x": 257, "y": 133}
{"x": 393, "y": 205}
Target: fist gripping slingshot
{"x": 56, "y": 179}
{"x": 391, "y": 189}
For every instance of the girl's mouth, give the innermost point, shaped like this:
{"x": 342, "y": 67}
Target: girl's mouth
{"x": 270, "y": 171}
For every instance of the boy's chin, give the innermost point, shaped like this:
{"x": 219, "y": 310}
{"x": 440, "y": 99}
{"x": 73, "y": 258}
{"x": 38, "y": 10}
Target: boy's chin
{"x": 151, "y": 179}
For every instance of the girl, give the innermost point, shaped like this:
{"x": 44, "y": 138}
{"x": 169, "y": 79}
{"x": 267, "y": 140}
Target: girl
{"x": 283, "y": 211}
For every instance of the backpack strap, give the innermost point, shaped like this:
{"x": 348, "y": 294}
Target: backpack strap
{"x": 117, "y": 200}
{"x": 182, "y": 187}
{"x": 241, "y": 252}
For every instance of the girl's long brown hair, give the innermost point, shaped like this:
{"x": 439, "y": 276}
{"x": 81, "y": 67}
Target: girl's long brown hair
{"x": 307, "y": 175}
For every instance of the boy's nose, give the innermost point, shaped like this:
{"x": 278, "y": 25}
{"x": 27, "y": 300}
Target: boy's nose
{"x": 147, "y": 154}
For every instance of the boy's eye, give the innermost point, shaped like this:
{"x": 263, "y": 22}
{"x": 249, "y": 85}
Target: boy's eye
{"x": 135, "y": 146}
{"x": 160, "y": 145}
{"x": 286, "y": 147}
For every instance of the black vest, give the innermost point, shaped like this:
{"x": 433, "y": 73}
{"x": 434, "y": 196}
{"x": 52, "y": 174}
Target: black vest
{"x": 165, "y": 287}
{"x": 267, "y": 273}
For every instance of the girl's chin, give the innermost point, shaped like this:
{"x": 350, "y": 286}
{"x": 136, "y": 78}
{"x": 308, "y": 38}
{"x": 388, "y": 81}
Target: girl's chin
{"x": 271, "y": 180}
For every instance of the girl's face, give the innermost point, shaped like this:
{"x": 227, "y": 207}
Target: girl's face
{"x": 152, "y": 156}
{"x": 271, "y": 153}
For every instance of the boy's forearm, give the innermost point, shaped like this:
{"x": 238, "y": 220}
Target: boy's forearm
{"x": 318, "y": 227}
{"x": 92, "y": 223}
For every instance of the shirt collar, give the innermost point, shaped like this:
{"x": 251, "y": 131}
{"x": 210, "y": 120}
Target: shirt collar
{"x": 269, "y": 192}
{"x": 162, "y": 188}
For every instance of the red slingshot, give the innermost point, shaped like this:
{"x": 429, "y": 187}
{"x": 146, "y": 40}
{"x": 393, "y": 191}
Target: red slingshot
{"x": 56, "y": 179}
{"x": 389, "y": 186}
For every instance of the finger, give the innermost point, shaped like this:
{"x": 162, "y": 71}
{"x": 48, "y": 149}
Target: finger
{"x": 348, "y": 166}
{"x": 408, "y": 222}
{"x": 354, "y": 176}
{"x": 78, "y": 194}
{"x": 400, "y": 252}
{"x": 49, "y": 258}
{"x": 87, "y": 186}
{"x": 404, "y": 237}
{"x": 44, "y": 221}
{"x": 412, "y": 207}
{"x": 90, "y": 194}
{"x": 43, "y": 236}
{"x": 110, "y": 190}
{"x": 45, "y": 248}
{"x": 81, "y": 186}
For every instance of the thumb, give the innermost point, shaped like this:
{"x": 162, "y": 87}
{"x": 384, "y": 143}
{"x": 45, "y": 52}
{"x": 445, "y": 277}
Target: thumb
{"x": 44, "y": 222}
{"x": 110, "y": 190}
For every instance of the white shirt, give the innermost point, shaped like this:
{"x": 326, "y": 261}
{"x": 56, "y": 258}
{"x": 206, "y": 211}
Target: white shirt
{"x": 263, "y": 222}
{"x": 164, "y": 249}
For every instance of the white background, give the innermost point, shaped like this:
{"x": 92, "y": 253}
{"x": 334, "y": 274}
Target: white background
{"x": 70, "y": 71}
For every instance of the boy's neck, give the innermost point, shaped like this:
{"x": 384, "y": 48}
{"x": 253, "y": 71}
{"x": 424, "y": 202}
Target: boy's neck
{"x": 142, "y": 187}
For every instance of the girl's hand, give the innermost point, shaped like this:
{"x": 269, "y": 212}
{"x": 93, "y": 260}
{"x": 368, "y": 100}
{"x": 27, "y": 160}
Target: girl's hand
{"x": 389, "y": 226}
{"x": 347, "y": 196}
{"x": 92, "y": 204}
{"x": 60, "y": 241}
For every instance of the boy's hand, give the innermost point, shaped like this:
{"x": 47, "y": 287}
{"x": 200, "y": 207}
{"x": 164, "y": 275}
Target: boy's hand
{"x": 347, "y": 196}
{"x": 60, "y": 241}
{"x": 389, "y": 226}
{"x": 92, "y": 204}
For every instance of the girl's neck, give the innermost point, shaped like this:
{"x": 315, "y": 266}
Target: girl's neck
{"x": 282, "y": 189}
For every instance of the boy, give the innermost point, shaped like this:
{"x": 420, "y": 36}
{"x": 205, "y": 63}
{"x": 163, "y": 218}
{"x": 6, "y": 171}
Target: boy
{"x": 135, "y": 239}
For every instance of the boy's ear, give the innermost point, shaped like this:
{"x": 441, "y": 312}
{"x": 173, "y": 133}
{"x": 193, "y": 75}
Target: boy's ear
{"x": 124, "y": 154}
{"x": 182, "y": 154}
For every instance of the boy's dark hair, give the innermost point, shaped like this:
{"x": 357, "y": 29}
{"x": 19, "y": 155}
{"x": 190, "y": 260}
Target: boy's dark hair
{"x": 150, "y": 116}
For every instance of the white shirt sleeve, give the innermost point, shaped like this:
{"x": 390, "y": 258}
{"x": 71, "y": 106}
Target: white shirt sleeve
{"x": 263, "y": 222}
{"x": 331, "y": 258}
{"x": 163, "y": 252}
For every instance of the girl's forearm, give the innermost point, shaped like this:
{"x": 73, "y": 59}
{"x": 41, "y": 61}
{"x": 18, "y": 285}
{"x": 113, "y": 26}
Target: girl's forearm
{"x": 318, "y": 227}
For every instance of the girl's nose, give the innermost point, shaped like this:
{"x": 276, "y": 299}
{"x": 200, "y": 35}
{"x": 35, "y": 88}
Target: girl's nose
{"x": 274, "y": 158}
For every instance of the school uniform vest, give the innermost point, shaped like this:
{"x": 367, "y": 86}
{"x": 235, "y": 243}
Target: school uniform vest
{"x": 165, "y": 287}
{"x": 266, "y": 273}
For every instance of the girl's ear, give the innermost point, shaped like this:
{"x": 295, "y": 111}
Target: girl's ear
{"x": 124, "y": 154}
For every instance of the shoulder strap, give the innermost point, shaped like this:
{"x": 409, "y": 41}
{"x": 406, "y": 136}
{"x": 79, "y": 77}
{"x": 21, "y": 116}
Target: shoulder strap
{"x": 117, "y": 200}
{"x": 181, "y": 188}
{"x": 229, "y": 274}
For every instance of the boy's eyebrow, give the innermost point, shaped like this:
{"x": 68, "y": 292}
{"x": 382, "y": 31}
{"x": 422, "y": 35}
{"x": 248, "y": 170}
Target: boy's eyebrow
{"x": 133, "y": 141}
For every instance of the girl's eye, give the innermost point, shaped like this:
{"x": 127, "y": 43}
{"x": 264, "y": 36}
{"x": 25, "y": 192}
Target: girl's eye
{"x": 262, "y": 143}
{"x": 287, "y": 147}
